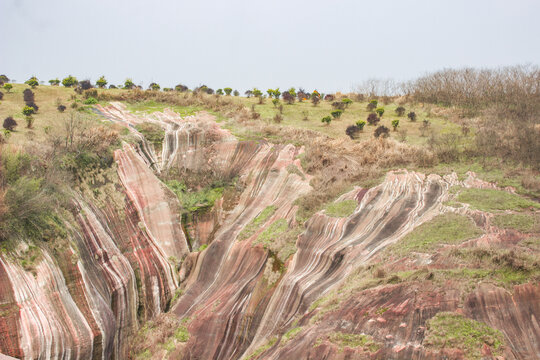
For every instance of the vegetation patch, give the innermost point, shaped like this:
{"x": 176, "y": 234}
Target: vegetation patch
{"x": 451, "y": 330}
{"x": 354, "y": 341}
{"x": 447, "y": 228}
{"x": 151, "y": 106}
{"x": 153, "y": 133}
{"x": 193, "y": 201}
{"x": 520, "y": 222}
{"x": 493, "y": 200}
{"x": 341, "y": 208}
{"x": 291, "y": 333}
{"x": 256, "y": 223}
{"x": 262, "y": 348}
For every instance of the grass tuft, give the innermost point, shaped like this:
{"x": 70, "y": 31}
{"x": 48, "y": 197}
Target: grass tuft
{"x": 493, "y": 200}
{"x": 341, "y": 208}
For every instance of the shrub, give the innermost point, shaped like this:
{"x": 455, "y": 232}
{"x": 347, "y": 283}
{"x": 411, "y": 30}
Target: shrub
{"x": 90, "y": 101}
{"x": 329, "y": 97}
{"x": 112, "y": 86}
{"x": 3, "y": 79}
{"x": 8, "y": 87}
{"x": 395, "y": 124}
{"x": 373, "y": 119}
{"x": 256, "y": 92}
{"x": 248, "y": 93}
{"x": 10, "y": 123}
{"x": 360, "y": 124}
{"x": 336, "y": 113}
{"x": 278, "y": 118}
{"x": 326, "y": 120}
{"x": 412, "y": 116}
{"x": 338, "y": 105}
{"x": 85, "y": 85}
{"x": 101, "y": 82}
{"x": 372, "y": 105}
{"x": 154, "y": 86}
{"x": 61, "y": 108}
{"x": 381, "y": 131}
{"x": 228, "y": 91}
{"x": 219, "y": 92}
{"x": 69, "y": 81}
{"x": 28, "y": 96}
{"x": 54, "y": 82}
{"x": 380, "y": 111}
{"x": 28, "y": 111}
{"x": 400, "y": 110}
{"x": 347, "y": 102}
{"x": 236, "y": 93}
{"x": 315, "y": 99}
{"x": 181, "y": 88}
{"x": 288, "y": 97}
{"x": 302, "y": 95}
{"x": 33, "y": 106}
{"x": 128, "y": 84}
{"x": 32, "y": 82}
{"x": 275, "y": 102}
{"x": 352, "y": 131}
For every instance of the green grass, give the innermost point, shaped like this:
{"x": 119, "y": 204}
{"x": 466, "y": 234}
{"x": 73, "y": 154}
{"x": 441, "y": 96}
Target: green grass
{"x": 153, "y": 133}
{"x": 276, "y": 229}
{"x": 451, "y": 330}
{"x": 291, "y": 333}
{"x": 193, "y": 201}
{"x": 256, "y": 223}
{"x": 447, "y": 228}
{"x": 153, "y": 106}
{"x": 520, "y": 222}
{"x": 262, "y": 348}
{"x": 493, "y": 200}
{"x": 354, "y": 340}
{"x": 341, "y": 208}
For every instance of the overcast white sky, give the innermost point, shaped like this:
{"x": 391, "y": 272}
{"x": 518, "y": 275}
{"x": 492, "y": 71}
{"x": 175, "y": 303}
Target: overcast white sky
{"x": 325, "y": 44}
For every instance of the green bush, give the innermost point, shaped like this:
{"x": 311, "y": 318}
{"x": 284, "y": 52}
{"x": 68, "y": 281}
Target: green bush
{"x": 69, "y": 81}
{"x": 90, "y": 101}
{"x": 101, "y": 82}
{"x": 360, "y": 124}
{"x": 219, "y": 91}
{"x": 336, "y": 113}
{"x": 8, "y": 87}
{"x": 54, "y": 82}
{"x": 32, "y": 82}
{"x": 28, "y": 111}
{"x": 128, "y": 84}
{"x": 346, "y": 101}
{"x": 227, "y": 91}
{"x": 154, "y": 86}
{"x": 236, "y": 93}
{"x": 395, "y": 124}
{"x": 379, "y": 111}
{"x": 326, "y": 120}
{"x": 372, "y": 105}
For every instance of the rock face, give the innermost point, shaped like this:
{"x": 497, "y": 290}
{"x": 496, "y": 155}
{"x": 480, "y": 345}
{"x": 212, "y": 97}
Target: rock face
{"x": 240, "y": 296}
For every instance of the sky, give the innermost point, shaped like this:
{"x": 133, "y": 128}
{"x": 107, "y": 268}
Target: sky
{"x": 329, "y": 45}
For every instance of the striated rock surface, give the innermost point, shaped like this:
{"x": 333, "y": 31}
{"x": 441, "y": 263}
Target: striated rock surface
{"x": 265, "y": 287}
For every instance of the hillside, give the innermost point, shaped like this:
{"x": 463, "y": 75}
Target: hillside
{"x": 185, "y": 225}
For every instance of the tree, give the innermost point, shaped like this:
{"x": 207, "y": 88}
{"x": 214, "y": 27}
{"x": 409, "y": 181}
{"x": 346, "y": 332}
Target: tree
{"x": 28, "y": 96}
{"x": 181, "y": 88}
{"x": 101, "y": 82}
{"x": 347, "y": 102}
{"x": 288, "y": 97}
{"x": 219, "y": 91}
{"x": 400, "y": 110}
{"x": 412, "y": 116}
{"x": 69, "y": 81}
{"x": 292, "y": 91}
{"x": 27, "y": 111}
{"x": 112, "y": 86}
{"x": 360, "y": 124}
{"x": 248, "y": 93}
{"x": 338, "y": 105}
{"x": 326, "y": 120}
{"x": 3, "y": 79}
{"x": 258, "y": 93}
{"x": 270, "y": 93}
{"x": 373, "y": 119}
{"x": 302, "y": 95}
{"x": 85, "y": 85}
{"x": 352, "y": 131}
{"x": 372, "y": 105}
{"x": 381, "y": 131}
{"x": 10, "y": 123}
{"x": 154, "y": 86}
{"x": 228, "y": 91}
{"x": 395, "y": 124}
{"x": 236, "y": 93}
{"x": 379, "y": 111}
{"x": 128, "y": 84}
{"x": 336, "y": 113}
{"x": 61, "y": 108}
{"x": 54, "y": 82}
{"x": 8, "y": 87}
{"x": 275, "y": 102}
{"x": 32, "y": 82}
{"x": 315, "y": 100}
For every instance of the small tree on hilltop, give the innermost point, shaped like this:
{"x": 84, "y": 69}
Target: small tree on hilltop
{"x": 181, "y": 88}
{"x": 85, "y": 85}
{"x": 128, "y": 84}
{"x": 380, "y": 111}
{"x": 219, "y": 92}
{"x": 101, "y": 82}
{"x": 258, "y": 94}
{"x": 3, "y": 79}
{"x": 412, "y": 116}
{"x": 54, "y": 82}
{"x": 228, "y": 91}
{"x": 373, "y": 119}
{"x": 400, "y": 110}
{"x": 288, "y": 97}
{"x": 10, "y": 123}
{"x": 336, "y": 114}
{"x": 154, "y": 86}
{"x": 27, "y": 111}
{"x": 395, "y": 124}
{"x": 381, "y": 131}
{"x": 275, "y": 102}
{"x": 248, "y": 93}
{"x": 236, "y": 93}
{"x": 32, "y": 82}
{"x": 326, "y": 120}
{"x": 8, "y": 87}
{"x": 70, "y": 81}
{"x": 270, "y": 93}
